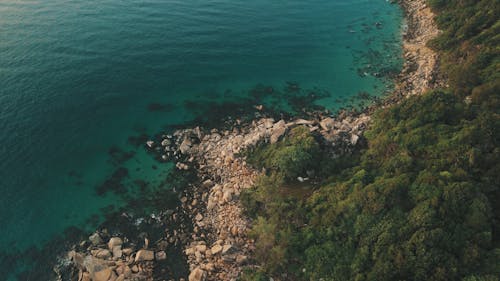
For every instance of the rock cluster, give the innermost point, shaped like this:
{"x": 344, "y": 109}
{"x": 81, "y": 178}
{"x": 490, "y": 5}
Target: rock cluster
{"x": 419, "y": 72}
{"x": 115, "y": 260}
{"x": 219, "y": 246}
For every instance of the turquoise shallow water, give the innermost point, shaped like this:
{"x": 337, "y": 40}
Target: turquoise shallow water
{"x": 78, "y": 78}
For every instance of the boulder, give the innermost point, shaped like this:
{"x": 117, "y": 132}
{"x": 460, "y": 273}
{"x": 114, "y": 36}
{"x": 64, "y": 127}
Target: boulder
{"x": 201, "y": 248}
{"x": 210, "y": 266}
{"x": 190, "y": 251}
{"x": 210, "y": 204}
{"x": 144, "y": 255}
{"x": 85, "y": 277}
{"x": 127, "y": 251}
{"x": 216, "y": 249}
{"x": 227, "y": 196}
{"x": 227, "y": 249}
{"x": 94, "y": 265}
{"x": 279, "y": 130}
{"x": 77, "y": 259}
{"x": 268, "y": 123}
{"x": 101, "y": 254}
{"x": 207, "y": 184}
{"x": 303, "y": 122}
{"x": 150, "y": 143}
{"x": 327, "y": 124}
{"x": 197, "y": 274}
{"x": 354, "y": 139}
{"x": 241, "y": 259}
{"x": 185, "y": 146}
{"x": 117, "y": 252}
{"x": 114, "y": 241}
{"x": 102, "y": 275}
{"x": 95, "y": 239}
{"x": 199, "y": 217}
{"x": 161, "y": 255}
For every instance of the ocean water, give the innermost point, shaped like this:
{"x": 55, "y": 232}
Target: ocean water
{"x": 80, "y": 80}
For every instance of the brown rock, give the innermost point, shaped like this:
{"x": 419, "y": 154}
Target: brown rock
{"x": 144, "y": 255}
{"x": 234, "y": 230}
{"x": 117, "y": 252}
{"x": 102, "y": 254}
{"x": 85, "y": 277}
{"x": 210, "y": 266}
{"x": 241, "y": 259}
{"x": 216, "y": 249}
{"x": 327, "y": 123}
{"x": 226, "y": 248}
{"x": 115, "y": 241}
{"x": 102, "y": 275}
{"x": 127, "y": 251}
{"x": 197, "y": 275}
{"x": 199, "y": 217}
{"x": 201, "y": 248}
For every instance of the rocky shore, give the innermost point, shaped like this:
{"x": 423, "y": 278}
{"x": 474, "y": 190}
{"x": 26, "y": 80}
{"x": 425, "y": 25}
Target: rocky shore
{"x": 219, "y": 246}
{"x": 419, "y": 72}
{"x": 214, "y": 231}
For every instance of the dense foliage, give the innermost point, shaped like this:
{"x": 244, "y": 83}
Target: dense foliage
{"x": 422, "y": 202}
{"x": 291, "y": 157}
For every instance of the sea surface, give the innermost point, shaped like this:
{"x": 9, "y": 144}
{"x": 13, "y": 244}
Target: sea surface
{"x": 84, "y": 83}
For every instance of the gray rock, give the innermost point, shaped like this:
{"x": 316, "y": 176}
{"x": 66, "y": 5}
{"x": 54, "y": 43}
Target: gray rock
{"x": 185, "y": 146}
{"x": 279, "y": 129}
{"x": 95, "y": 239}
{"x": 165, "y": 142}
{"x": 327, "y": 123}
{"x": 150, "y": 143}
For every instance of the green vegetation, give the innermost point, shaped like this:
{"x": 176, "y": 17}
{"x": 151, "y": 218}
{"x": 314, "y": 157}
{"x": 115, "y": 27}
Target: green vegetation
{"x": 421, "y": 202}
{"x": 291, "y": 157}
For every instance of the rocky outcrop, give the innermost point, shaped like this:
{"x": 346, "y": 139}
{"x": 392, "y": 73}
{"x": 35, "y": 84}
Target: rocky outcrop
{"x": 109, "y": 262}
{"x": 219, "y": 245}
{"x": 419, "y": 72}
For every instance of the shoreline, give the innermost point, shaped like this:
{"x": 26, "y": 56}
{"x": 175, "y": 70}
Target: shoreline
{"x": 213, "y": 231}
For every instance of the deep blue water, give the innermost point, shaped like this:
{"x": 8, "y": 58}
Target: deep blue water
{"x": 80, "y": 77}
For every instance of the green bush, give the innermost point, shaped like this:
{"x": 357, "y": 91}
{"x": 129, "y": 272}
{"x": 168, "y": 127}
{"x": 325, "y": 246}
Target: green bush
{"x": 292, "y": 157}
